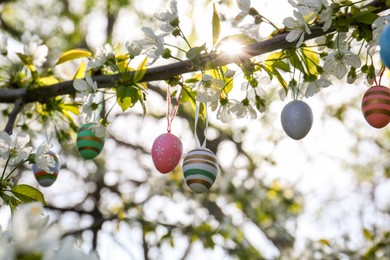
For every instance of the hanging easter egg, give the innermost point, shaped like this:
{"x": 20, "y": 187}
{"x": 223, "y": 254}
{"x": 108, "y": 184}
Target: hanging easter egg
{"x": 384, "y": 43}
{"x": 297, "y": 119}
{"x": 200, "y": 169}
{"x": 376, "y": 106}
{"x": 166, "y": 152}
{"x": 44, "y": 178}
{"x": 88, "y": 144}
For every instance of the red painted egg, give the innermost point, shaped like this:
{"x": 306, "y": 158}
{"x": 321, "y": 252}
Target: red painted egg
{"x": 166, "y": 152}
{"x": 376, "y": 106}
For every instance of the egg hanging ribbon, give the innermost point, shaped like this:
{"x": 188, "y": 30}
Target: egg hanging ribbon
{"x": 167, "y": 149}
{"x": 171, "y": 116}
{"x": 197, "y": 142}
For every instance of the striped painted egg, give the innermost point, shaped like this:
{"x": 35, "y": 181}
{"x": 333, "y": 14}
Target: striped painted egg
{"x": 376, "y": 106}
{"x": 88, "y": 144}
{"x": 44, "y": 178}
{"x": 200, "y": 169}
{"x": 166, "y": 152}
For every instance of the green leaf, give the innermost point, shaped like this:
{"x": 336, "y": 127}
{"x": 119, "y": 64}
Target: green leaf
{"x": 312, "y": 60}
{"x": 325, "y": 242}
{"x": 295, "y": 61}
{"x": 26, "y": 193}
{"x": 126, "y": 96}
{"x": 279, "y": 64}
{"x": 71, "y": 107}
{"x": 195, "y": 51}
{"x": 72, "y": 55}
{"x": 46, "y": 81}
{"x": 281, "y": 80}
{"x": 80, "y": 74}
{"x": 216, "y": 25}
{"x": 368, "y": 234}
{"x": 26, "y": 60}
{"x": 141, "y": 70}
{"x": 274, "y": 57}
{"x": 366, "y": 18}
{"x": 11, "y": 201}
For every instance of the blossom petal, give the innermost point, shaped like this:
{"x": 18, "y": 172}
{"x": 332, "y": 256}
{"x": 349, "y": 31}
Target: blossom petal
{"x": 244, "y": 5}
{"x": 21, "y": 140}
{"x": 293, "y": 35}
{"x": 340, "y": 70}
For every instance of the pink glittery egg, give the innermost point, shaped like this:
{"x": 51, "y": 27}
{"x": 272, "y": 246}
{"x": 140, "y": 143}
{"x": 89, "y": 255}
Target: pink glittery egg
{"x": 166, "y": 152}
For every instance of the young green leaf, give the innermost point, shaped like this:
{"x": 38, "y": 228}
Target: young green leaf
{"x": 195, "y": 51}
{"x": 312, "y": 60}
{"x": 26, "y": 60}
{"x": 141, "y": 70}
{"x": 72, "y": 55}
{"x": 126, "y": 96}
{"x": 81, "y": 71}
{"x": 26, "y": 193}
{"x": 216, "y": 25}
{"x": 46, "y": 81}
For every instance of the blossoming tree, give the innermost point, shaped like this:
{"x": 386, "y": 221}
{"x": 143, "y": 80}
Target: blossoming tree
{"x": 324, "y": 42}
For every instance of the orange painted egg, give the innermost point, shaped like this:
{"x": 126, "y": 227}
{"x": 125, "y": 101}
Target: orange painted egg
{"x": 376, "y": 106}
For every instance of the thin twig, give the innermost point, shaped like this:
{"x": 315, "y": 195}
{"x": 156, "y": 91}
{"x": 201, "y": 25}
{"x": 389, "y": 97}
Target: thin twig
{"x": 13, "y": 115}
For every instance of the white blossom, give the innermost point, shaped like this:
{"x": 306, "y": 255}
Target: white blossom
{"x": 43, "y": 159}
{"x": 282, "y": 94}
{"x": 168, "y": 17}
{"x": 100, "y": 57}
{"x": 37, "y": 52}
{"x": 67, "y": 251}
{"x": 229, "y": 73}
{"x": 85, "y": 86}
{"x": 208, "y": 89}
{"x": 31, "y": 235}
{"x": 30, "y": 230}
{"x": 224, "y": 112}
{"x": 244, "y": 6}
{"x": 377, "y": 27}
{"x": 311, "y": 8}
{"x": 242, "y": 110}
{"x": 14, "y": 150}
{"x": 316, "y": 86}
{"x": 338, "y": 62}
{"x": 298, "y": 28}
{"x": 99, "y": 130}
{"x": 133, "y": 48}
{"x": 28, "y": 37}
{"x": 326, "y": 18}
{"x": 153, "y": 43}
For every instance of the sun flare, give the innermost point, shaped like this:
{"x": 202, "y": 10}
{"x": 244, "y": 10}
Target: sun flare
{"x": 231, "y": 48}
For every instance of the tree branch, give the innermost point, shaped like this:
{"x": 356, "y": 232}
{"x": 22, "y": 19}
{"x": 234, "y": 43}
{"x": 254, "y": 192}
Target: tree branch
{"x": 202, "y": 62}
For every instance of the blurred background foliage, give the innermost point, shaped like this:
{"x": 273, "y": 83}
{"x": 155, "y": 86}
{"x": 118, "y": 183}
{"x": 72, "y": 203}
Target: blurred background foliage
{"x": 261, "y": 206}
